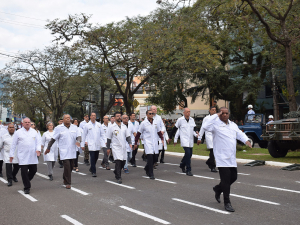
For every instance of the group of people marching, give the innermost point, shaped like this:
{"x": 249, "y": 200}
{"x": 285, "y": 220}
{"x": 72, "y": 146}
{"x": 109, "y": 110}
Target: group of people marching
{"x": 120, "y": 138}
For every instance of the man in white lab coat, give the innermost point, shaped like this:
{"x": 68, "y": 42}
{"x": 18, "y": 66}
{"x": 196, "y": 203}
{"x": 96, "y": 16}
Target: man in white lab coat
{"x": 5, "y": 143}
{"x": 225, "y": 133}
{"x": 86, "y": 149}
{"x": 28, "y": 146}
{"x": 251, "y": 112}
{"x": 130, "y": 128}
{"x": 135, "y": 125}
{"x": 68, "y": 137}
{"x": 117, "y": 137}
{"x": 95, "y": 138}
{"x": 105, "y": 163}
{"x": 209, "y": 141}
{"x": 150, "y": 130}
{"x": 185, "y": 125}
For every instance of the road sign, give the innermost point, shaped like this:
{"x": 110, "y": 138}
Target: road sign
{"x": 135, "y": 103}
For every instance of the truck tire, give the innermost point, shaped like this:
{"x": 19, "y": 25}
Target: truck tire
{"x": 276, "y": 152}
{"x": 251, "y": 139}
{"x": 263, "y": 144}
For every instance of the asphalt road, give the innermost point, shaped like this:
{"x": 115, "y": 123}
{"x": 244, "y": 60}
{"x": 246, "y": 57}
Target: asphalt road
{"x": 261, "y": 195}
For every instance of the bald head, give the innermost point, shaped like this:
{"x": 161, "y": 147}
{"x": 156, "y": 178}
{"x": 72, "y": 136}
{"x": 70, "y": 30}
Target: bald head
{"x": 11, "y": 128}
{"x": 26, "y": 123}
{"x": 154, "y": 109}
{"x": 187, "y": 113}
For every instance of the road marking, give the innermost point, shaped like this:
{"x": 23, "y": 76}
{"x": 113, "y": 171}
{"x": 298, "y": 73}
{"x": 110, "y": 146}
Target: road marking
{"x": 244, "y": 174}
{"x": 210, "y": 178}
{"x": 100, "y": 153}
{"x": 144, "y": 215}
{"x": 171, "y": 164}
{"x": 27, "y": 196}
{"x": 80, "y": 156}
{"x": 3, "y": 180}
{"x": 71, "y": 220}
{"x": 122, "y": 185}
{"x": 200, "y": 206}
{"x": 105, "y": 168}
{"x": 80, "y": 163}
{"x": 78, "y": 172}
{"x": 166, "y": 181}
{"x": 279, "y": 189}
{"x": 297, "y": 181}
{"x": 45, "y": 163}
{"x": 255, "y": 199}
{"x": 78, "y": 191}
{"x": 42, "y": 175}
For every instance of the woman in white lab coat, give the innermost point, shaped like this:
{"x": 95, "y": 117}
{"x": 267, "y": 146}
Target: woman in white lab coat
{"x": 76, "y": 123}
{"x": 51, "y": 157}
{"x": 163, "y": 147}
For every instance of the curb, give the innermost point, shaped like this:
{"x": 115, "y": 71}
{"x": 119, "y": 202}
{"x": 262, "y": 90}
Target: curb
{"x": 268, "y": 163}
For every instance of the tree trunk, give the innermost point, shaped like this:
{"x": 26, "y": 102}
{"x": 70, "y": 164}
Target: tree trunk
{"x": 102, "y": 104}
{"x": 289, "y": 78}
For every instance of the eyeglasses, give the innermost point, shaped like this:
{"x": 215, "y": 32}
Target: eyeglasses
{"x": 150, "y": 113}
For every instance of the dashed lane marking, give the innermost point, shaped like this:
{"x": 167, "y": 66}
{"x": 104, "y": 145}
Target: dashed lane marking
{"x": 27, "y": 196}
{"x": 255, "y": 199}
{"x": 71, "y": 220}
{"x": 77, "y": 190}
{"x": 246, "y": 174}
{"x": 172, "y": 164}
{"x": 200, "y": 206}
{"x": 144, "y": 215}
{"x": 166, "y": 181}
{"x": 210, "y": 178}
{"x": 279, "y": 189}
{"x": 122, "y": 185}
{"x": 42, "y": 175}
{"x": 78, "y": 172}
{"x": 3, "y": 180}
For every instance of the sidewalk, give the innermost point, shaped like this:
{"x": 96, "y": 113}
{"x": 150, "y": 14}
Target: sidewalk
{"x": 244, "y": 161}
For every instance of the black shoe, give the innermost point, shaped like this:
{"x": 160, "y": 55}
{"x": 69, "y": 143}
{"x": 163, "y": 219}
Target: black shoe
{"x": 61, "y": 166}
{"x": 134, "y": 165}
{"x": 51, "y": 177}
{"x": 1, "y": 175}
{"x": 27, "y": 191}
{"x": 152, "y": 178}
{"x": 182, "y": 168}
{"x": 154, "y": 167}
{"x": 189, "y": 173}
{"x": 15, "y": 179}
{"x": 162, "y": 161}
{"x": 217, "y": 195}
{"x": 146, "y": 172}
{"x": 228, "y": 207}
{"x": 213, "y": 170}
{"x": 87, "y": 163}
{"x": 94, "y": 175}
{"x": 119, "y": 181}
{"x": 9, "y": 183}
{"x": 90, "y": 170}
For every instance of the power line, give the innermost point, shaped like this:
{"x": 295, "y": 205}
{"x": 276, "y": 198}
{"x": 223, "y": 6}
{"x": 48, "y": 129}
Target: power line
{"x": 12, "y": 21}
{"x": 16, "y": 23}
{"x": 22, "y": 16}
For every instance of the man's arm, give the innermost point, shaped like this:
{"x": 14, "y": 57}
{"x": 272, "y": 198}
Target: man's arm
{"x": 208, "y": 125}
{"x": 13, "y": 147}
{"x": 241, "y": 136}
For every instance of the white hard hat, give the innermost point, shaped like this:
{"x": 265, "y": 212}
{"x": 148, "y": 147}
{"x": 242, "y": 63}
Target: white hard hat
{"x": 250, "y": 106}
{"x": 271, "y": 117}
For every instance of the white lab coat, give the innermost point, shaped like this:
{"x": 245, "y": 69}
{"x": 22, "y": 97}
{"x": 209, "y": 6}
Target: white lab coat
{"x": 130, "y": 130}
{"x": 105, "y": 128}
{"x": 149, "y": 132}
{"x": 118, "y": 137}
{"x": 160, "y": 124}
{"x": 166, "y": 137}
{"x": 208, "y": 135}
{"x": 66, "y": 138}
{"x": 5, "y": 143}
{"x": 250, "y": 112}
{"x": 224, "y": 139}
{"x": 26, "y": 143}
{"x": 94, "y": 136}
{"x": 2, "y": 132}
{"x": 186, "y": 132}
{"x": 135, "y": 129}
{"x": 82, "y": 124}
{"x": 53, "y": 154}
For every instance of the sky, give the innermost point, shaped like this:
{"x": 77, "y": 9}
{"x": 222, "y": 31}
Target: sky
{"x": 22, "y": 22}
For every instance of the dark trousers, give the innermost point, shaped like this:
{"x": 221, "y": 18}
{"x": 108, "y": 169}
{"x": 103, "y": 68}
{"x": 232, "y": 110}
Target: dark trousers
{"x": 76, "y": 160}
{"x": 27, "y": 173}
{"x": 1, "y": 164}
{"x": 151, "y": 159}
{"x": 68, "y": 167}
{"x": 228, "y": 176}
{"x": 105, "y": 157}
{"x": 94, "y": 155}
{"x": 11, "y": 170}
{"x": 134, "y": 152}
{"x": 211, "y": 160}
{"x": 118, "y": 168}
{"x": 86, "y": 153}
{"x": 162, "y": 154}
{"x": 186, "y": 160}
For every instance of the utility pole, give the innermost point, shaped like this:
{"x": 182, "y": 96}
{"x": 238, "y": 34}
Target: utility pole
{"x": 274, "y": 88}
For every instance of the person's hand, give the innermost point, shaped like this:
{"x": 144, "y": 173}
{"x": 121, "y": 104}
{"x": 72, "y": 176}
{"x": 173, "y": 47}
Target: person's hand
{"x": 175, "y": 143}
{"x": 78, "y": 144}
{"x": 130, "y": 146}
{"x": 168, "y": 141}
{"x": 86, "y": 144}
{"x": 11, "y": 159}
{"x": 248, "y": 144}
{"x": 38, "y": 153}
{"x": 47, "y": 151}
{"x": 198, "y": 142}
{"x": 162, "y": 132}
{"x": 162, "y": 142}
{"x": 82, "y": 148}
{"x": 108, "y": 151}
{"x": 219, "y": 113}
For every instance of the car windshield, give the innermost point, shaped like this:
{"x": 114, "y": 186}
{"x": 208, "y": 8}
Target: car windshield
{"x": 252, "y": 118}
